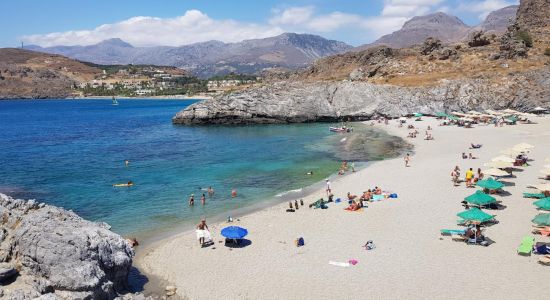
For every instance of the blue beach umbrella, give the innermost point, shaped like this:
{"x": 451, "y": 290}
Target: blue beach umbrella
{"x": 234, "y": 232}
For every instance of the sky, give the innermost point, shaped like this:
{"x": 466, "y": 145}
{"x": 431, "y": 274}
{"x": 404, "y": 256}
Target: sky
{"x": 181, "y": 22}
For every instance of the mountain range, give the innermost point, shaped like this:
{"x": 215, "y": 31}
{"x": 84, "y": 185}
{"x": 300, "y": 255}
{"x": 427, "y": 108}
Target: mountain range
{"x": 288, "y": 50}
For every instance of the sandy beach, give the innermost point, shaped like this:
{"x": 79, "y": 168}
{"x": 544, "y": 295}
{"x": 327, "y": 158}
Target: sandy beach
{"x": 411, "y": 259}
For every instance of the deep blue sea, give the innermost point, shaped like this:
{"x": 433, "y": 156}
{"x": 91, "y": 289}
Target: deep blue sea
{"x": 69, "y": 153}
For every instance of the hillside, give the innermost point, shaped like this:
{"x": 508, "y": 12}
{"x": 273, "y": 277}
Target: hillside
{"x": 29, "y": 74}
{"x": 206, "y": 59}
{"x": 483, "y": 72}
{"x": 447, "y": 28}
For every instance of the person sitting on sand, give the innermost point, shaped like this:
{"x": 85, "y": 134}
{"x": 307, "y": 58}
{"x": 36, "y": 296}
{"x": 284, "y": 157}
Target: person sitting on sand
{"x": 475, "y": 146}
{"x": 203, "y": 233}
{"x": 351, "y": 197}
{"x": 377, "y": 191}
{"x": 470, "y": 156}
{"x": 353, "y": 206}
{"x": 464, "y": 156}
{"x": 192, "y": 200}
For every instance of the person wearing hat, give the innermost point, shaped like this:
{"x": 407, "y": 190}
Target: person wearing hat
{"x": 192, "y": 200}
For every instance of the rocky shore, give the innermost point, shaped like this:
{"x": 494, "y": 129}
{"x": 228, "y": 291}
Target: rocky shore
{"x": 47, "y": 252}
{"x": 293, "y": 102}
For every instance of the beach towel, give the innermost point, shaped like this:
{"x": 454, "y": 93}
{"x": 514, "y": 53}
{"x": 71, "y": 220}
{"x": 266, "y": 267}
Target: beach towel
{"x": 526, "y": 245}
{"x": 339, "y": 264}
{"x": 452, "y": 231}
{"x": 203, "y": 234}
{"x": 377, "y": 197}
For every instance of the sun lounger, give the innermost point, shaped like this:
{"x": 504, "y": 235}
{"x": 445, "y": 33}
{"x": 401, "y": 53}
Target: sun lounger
{"x": 533, "y": 195}
{"x": 526, "y": 245}
{"x": 542, "y": 231}
{"x": 453, "y": 231}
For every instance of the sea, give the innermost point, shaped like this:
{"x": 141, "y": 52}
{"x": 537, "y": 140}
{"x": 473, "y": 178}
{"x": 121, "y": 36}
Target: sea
{"x": 69, "y": 153}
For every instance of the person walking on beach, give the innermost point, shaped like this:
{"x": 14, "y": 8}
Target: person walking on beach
{"x": 192, "y": 200}
{"x": 210, "y": 191}
{"x": 407, "y": 160}
{"x": 202, "y": 232}
{"x": 455, "y": 174}
{"x": 203, "y": 199}
{"x": 329, "y": 191}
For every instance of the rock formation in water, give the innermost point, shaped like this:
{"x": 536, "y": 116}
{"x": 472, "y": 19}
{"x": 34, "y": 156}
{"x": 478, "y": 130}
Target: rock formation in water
{"x": 51, "y": 253}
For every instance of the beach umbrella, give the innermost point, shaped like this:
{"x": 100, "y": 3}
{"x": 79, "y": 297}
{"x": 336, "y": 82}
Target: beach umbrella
{"x": 510, "y": 111}
{"x": 545, "y": 172}
{"x": 490, "y": 184}
{"x": 538, "y": 108}
{"x": 523, "y": 146}
{"x": 495, "y": 172}
{"x": 440, "y": 114}
{"x": 418, "y": 115}
{"x": 234, "y": 232}
{"x": 512, "y": 152}
{"x": 475, "y": 214}
{"x": 456, "y": 113}
{"x": 543, "y": 203}
{"x": 542, "y": 219}
{"x": 403, "y": 119}
{"x": 480, "y": 198}
{"x": 473, "y": 112}
{"x": 499, "y": 164}
{"x": 542, "y": 187}
{"x": 503, "y": 158}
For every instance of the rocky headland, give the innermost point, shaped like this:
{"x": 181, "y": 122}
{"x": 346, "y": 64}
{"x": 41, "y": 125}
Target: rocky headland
{"x": 47, "y": 252}
{"x": 486, "y": 71}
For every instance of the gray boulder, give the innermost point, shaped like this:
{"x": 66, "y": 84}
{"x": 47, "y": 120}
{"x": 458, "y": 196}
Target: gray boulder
{"x": 430, "y": 45}
{"x": 58, "y": 252}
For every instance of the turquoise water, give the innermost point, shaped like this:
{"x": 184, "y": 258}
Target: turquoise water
{"x": 70, "y": 152}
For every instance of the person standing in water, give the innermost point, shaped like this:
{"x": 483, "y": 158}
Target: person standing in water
{"x": 210, "y": 191}
{"x": 126, "y": 162}
{"x": 192, "y": 200}
{"x": 203, "y": 199}
{"x": 233, "y": 193}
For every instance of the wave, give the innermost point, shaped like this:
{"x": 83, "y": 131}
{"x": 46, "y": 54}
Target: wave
{"x": 288, "y": 192}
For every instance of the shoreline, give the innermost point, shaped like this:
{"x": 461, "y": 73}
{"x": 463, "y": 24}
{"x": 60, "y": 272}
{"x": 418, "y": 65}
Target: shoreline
{"x": 167, "y": 97}
{"x": 178, "y": 259}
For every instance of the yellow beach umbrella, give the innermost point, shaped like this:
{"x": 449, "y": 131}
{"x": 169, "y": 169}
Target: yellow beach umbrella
{"x": 499, "y": 164}
{"x": 523, "y": 146}
{"x": 503, "y": 158}
{"x": 495, "y": 172}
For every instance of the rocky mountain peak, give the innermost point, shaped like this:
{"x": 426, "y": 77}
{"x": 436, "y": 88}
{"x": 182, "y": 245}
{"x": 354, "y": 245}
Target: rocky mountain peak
{"x": 435, "y": 19}
{"x": 115, "y": 42}
{"x": 499, "y": 20}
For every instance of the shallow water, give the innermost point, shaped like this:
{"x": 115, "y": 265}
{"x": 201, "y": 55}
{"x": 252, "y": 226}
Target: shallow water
{"x": 70, "y": 152}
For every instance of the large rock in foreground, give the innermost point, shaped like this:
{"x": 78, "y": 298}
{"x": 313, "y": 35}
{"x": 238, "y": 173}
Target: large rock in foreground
{"x": 292, "y": 102}
{"x": 59, "y": 254}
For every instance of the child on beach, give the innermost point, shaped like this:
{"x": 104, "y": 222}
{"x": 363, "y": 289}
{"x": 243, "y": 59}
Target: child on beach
{"x": 469, "y": 177}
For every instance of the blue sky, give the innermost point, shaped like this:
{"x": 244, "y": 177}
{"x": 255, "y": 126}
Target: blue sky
{"x": 178, "y": 22}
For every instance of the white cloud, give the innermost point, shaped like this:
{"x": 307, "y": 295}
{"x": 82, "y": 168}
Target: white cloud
{"x": 483, "y": 8}
{"x": 292, "y": 16}
{"x": 194, "y": 26}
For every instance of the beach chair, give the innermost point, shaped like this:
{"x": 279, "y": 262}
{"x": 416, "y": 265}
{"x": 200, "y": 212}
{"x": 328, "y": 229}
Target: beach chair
{"x": 533, "y": 195}
{"x": 542, "y": 231}
{"x": 526, "y": 245}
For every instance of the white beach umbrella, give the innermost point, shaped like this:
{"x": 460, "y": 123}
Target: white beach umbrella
{"x": 523, "y": 146}
{"x": 495, "y": 172}
{"x": 512, "y": 152}
{"x": 473, "y": 112}
{"x": 510, "y": 111}
{"x": 542, "y": 186}
{"x": 456, "y": 113}
{"x": 499, "y": 164}
{"x": 545, "y": 172}
{"x": 538, "y": 108}
{"x": 503, "y": 158}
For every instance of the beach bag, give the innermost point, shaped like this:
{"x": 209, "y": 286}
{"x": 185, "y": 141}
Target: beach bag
{"x": 394, "y": 195}
{"x": 299, "y": 242}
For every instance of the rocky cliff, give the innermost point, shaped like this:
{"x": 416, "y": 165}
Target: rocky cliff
{"x": 289, "y": 101}
{"x": 52, "y": 253}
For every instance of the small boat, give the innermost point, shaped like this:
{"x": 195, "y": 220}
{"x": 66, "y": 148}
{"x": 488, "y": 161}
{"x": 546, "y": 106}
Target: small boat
{"x": 114, "y": 101}
{"x": 339, "y": 129}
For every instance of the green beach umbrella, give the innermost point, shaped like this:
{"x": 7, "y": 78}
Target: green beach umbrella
{"x": 480, "y": 198}
{"x": 490, "y": 184}
{"x": 542, "y": 219}
{"x": 543, "y": 203}
{"x": 440, "y": 114}
{"x": 475, "y": 214}
{"x": 418, "y": 114}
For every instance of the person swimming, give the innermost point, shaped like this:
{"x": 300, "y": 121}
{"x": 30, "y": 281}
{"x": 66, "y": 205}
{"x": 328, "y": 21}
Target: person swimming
{"x": 233, "y": 193}
{"x": 309, "y": 173}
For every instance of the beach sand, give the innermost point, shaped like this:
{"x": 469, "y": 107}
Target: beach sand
{"x": 411, "y": 260}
